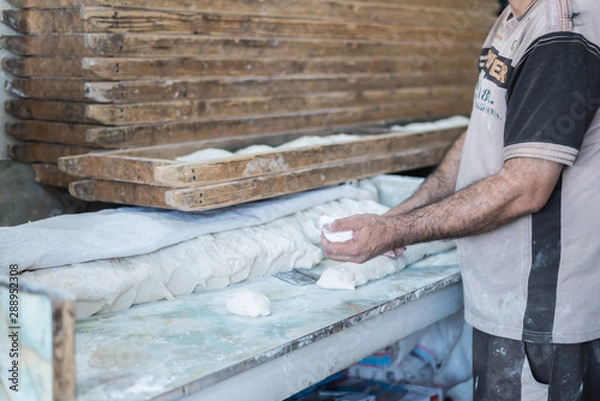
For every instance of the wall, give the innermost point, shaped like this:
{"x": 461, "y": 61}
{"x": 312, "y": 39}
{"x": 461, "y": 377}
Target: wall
{"x": 3, "y": 96}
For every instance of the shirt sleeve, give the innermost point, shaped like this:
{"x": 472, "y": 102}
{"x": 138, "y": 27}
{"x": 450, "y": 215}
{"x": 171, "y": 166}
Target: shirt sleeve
{"x": 552, "y": 98}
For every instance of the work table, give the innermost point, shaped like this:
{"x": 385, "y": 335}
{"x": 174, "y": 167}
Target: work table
{"x": 191, "y": 348}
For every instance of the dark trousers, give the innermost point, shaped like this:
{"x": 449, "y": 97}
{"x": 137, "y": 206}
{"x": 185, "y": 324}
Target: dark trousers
{"x": 511, "y": 370}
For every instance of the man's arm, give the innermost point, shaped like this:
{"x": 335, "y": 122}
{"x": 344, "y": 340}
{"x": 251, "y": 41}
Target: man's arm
{"x": 440, "y": 184}
{"x": 523, "y": 186}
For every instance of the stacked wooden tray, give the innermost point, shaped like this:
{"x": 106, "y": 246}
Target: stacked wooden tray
{"x": 110, "y": 74}
{"x": 152, "y": 176}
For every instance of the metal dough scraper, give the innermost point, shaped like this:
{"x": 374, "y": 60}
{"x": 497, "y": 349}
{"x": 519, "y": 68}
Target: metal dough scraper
{"x": 298, "y": 276}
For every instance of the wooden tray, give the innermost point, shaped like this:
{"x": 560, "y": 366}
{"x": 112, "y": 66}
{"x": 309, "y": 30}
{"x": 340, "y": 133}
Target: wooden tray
{"x": 151, "y": 176}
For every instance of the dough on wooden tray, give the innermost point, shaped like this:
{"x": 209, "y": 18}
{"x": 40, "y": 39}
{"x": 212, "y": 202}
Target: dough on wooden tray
{"x": 213, "y": 153}
{"x": 205, "y": 155}
{"x": 246, "y": 302}
{"x": 254, "y": 149}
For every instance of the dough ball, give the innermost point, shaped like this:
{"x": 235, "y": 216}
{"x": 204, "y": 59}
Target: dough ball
{"x": 334, "y": 236}
{"x": 246, "y": 302}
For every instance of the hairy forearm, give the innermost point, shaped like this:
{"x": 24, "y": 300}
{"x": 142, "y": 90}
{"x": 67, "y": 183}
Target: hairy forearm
{"x": 464, "y": 213}
{"x": 481, "y": 207}
{"x": 521, "y": 187}
{"x": 438, "y": 185}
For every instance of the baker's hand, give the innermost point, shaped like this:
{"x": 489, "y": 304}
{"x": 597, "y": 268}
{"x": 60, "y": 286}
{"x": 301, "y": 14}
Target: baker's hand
{"x": 372, "y": 235}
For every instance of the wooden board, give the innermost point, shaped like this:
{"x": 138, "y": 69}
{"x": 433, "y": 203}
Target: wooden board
{"x": 127, "y": 114}
{"x": 39, "y": 152}
{"x": 47, "y": 21}
{"x": 241, "y": 191}
{"x": 148, "y": 166}
{"x": 320, "y": 122}
{"x": 196, "y": 89}
{"x": 135, "y": 69}
{"x": 249, "y": 6}
{"x": 72, "y": 20}
{"x": 48, "y": 355}
{"x": 152, "y": 45}
{"x": 49, "y": 174}
{"x": 175, "y": 174}
{"x": 44, "y": 131}
{"x": 118, "y": 137}
{"x": 118, "y": 69}
{"x": 120, "y": 20}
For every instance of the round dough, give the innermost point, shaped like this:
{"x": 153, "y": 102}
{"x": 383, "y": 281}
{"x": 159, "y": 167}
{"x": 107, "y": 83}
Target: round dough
{"x": 334, "y": 236}
{"x": 246, "y": 302}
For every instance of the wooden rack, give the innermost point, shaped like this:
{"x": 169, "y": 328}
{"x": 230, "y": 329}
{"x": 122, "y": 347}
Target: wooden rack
{"x": 117, "y": 74}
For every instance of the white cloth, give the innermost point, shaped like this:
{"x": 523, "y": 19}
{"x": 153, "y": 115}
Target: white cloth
{"x": 129, "y": 231}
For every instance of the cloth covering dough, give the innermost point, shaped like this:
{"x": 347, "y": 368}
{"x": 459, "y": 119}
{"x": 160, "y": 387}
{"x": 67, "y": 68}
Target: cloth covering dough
{"x": 208, "y": 261}
{"x": 130, "y": 231}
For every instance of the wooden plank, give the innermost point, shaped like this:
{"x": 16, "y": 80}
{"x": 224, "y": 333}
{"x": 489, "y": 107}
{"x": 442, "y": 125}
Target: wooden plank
{"x": 44, "y": 67}
{"x": 76, "y": 134}
{"x": 261, "y": 8}
{"x": 49, "y": 174}
{"x": 119, "y": 69}
{"x": 39, "y": 152}
{"x": 47, "y": 21}
{"x": 71, "y": 20}
{"x": 111, "y": 167}
{"x": 196, "y": 89}
{"x": 126, "y": 114}
{"x": 319, "y": 122}
{"x": 47, "y": 45}
{"x": 63, "y": 352}
{"x": 194, "y": 46}
{"x": 152, "y": 45}
{"x": 150, "y": 169}
{"x": 51, "y": 89}
{"x": 241, "y": 191}
{"x": 44, "y": 131}
{"x": 120, "y": 20}
{"x": 140, "y": 135}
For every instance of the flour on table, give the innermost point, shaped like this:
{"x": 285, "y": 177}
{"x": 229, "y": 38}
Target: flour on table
{"x": 246, "y": 302}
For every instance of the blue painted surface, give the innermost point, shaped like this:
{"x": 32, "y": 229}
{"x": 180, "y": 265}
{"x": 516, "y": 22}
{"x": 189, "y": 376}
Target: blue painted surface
{"x": 31, "y": 330}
